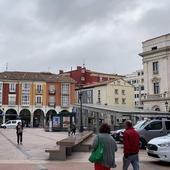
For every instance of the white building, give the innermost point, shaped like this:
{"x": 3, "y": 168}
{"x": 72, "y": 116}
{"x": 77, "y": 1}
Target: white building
{"x": 137, "y": 80}
{"x": 116, "y": 92}
{"x": 156, "y": 62}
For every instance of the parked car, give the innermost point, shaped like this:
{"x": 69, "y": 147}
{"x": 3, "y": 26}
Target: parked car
{"x": 116, "y": 134}
{"x": 10, "y": 124}
{"x": 136, "y": 126}
{"x": 151, "y": 129}
{"x": 159, "y": 148}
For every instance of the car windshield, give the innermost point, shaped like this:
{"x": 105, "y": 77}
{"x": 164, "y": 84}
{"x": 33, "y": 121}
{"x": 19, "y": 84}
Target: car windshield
{"x": 141, "y": 124}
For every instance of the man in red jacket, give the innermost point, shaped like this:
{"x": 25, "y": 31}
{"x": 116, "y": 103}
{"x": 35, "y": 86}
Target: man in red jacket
{"x": 131, "y": 141}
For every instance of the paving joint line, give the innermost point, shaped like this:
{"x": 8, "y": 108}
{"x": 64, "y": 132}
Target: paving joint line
{"x": 23, "y": 151}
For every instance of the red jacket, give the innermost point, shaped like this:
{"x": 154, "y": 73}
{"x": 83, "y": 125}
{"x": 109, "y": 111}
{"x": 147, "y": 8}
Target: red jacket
{"x": 131, "y": 141}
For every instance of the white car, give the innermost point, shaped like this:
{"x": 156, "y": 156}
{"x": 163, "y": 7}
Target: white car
{"x": 10, "y": 124}
{"x": 159, "y": 148}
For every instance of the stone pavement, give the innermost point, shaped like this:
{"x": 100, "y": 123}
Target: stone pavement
{"x": 31, "y": 155}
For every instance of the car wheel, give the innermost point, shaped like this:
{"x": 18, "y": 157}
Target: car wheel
{"x": 142, "y": 143}
{"x": 4, "y": 127}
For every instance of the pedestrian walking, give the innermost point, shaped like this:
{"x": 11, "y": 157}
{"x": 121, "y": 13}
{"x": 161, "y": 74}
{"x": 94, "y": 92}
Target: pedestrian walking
{"x": 19, "y": 131}
{"x": 104, "y": 146}
{"x": 131, "y": 141}
{"x": 73, "y": 129}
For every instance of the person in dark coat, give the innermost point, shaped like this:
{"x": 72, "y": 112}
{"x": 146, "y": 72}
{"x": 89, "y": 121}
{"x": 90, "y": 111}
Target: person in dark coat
{"x": 19, "y": 131}
{"x": 73, "y": 129}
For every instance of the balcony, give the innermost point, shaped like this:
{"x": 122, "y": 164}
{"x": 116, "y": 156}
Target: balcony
{"x": 11, "y": 103}
{"x": 25, "y": 104}
{"x": 39, "y": 91}
{"x": 51, "y": 91}
{"x": 154, "y": 96}
{"x": 64, "y": 105}
{"x": 38, "y": 104}
{"x": 51, "y": 104}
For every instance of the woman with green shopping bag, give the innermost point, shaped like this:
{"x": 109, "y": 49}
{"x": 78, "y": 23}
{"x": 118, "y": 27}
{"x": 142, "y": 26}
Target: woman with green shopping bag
{"x": 104, "y": 148}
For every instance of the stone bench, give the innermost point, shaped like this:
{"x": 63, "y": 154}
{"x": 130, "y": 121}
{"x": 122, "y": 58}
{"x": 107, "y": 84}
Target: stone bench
{"x": 69, "y": 145}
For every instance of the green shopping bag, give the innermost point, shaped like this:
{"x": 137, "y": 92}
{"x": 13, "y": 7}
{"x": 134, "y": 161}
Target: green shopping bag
{"x": 97, "y": 153}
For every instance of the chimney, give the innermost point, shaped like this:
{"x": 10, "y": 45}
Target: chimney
{"x": 61, "y": 71}
{"x": 78, "y": 67}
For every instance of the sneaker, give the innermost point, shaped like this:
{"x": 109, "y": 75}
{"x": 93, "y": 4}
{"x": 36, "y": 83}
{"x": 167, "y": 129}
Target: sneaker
{"x": 20, "y": 143}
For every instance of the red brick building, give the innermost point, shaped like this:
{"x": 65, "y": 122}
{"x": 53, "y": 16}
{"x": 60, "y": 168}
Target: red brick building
{"x": 84, "y": 76}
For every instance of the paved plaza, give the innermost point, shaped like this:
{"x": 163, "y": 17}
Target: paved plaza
{"x": 31, "y": 155}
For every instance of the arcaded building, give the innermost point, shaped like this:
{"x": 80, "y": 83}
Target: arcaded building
{"x": 34, "y": 96}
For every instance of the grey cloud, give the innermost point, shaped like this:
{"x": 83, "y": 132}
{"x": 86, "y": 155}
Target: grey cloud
{"x": 41, "y": 35}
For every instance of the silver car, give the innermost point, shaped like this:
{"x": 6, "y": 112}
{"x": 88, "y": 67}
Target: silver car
{"x": 151, "y": 129}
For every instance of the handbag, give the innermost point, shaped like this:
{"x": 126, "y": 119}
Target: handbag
{"x": 97, "y": 153}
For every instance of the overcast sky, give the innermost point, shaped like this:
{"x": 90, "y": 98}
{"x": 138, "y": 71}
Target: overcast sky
{"x": 106, "y": 35}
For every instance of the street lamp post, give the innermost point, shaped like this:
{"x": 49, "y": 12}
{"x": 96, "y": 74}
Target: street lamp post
{"x": 81, "y": 112}
{"x": 3, "y": 114}
{"x": 166, "y": 105}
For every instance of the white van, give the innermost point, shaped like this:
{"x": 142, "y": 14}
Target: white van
{"x": 10, "y": 124}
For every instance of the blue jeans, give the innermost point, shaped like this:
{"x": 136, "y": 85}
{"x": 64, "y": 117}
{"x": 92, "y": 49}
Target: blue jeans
{"x": 131, "y": 159}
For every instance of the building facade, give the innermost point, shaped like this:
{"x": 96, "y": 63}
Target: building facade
{"x": 83, "y": 76}
{"x": 137, "y": 80}
{"x": 156, "y": 62}
{"x": 34, "y": 96}
{"x": 116, "y": 93}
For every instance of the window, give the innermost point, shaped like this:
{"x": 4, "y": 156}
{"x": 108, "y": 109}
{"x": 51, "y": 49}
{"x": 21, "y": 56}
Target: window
{"x": 65, "y": 94}
{"x": 116, "y": 91}
{"x": 89, "y": 96}
{"x": 142, "y": 87}
{"x": 39, "y": 100}
{"x": 65, "y": 88}
{"x": 123, "y": 101}
{"x": 154, "y": 126}
{"x": 25, "y": 87}
{"x": 52, "y": 101}
{"x": 138, "y": 73}
{"x": 82, "y": 78}
{"x": 65, "y": 100}
{"x": 156, "y": 88}
{"x": 25, "y": 100}
{"x": 155, "y": 67}
{"x": 39, "y": 88}
{"x": 12, "y": 87}
{"x": 133, "y": 81}
{"x": 154, "y": 48}
{"x": 12, "y": 99}
{"x": 142, "y": 73}
{"x": 1, "y": 86}
{"x": 52, "y": 88}
{"x": 116, "y": 100}
{"x": 167, "y": 124}
{"x": 123, "y": 92}
{"x": 99, "y": 101}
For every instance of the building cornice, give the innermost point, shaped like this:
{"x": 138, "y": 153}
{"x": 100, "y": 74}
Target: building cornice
{"x": 163, "y": 49}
